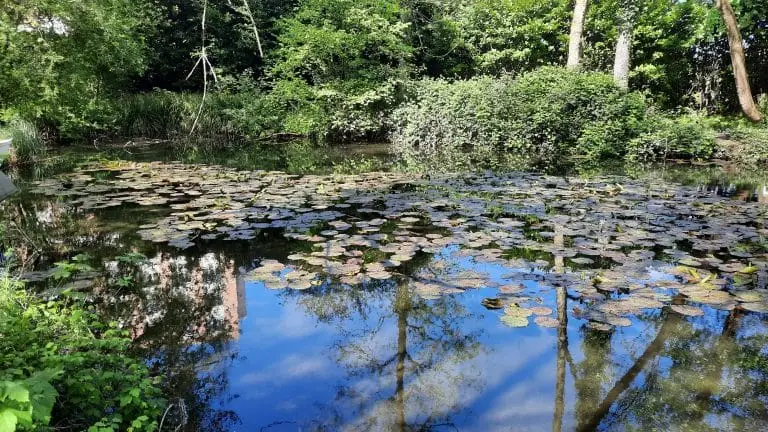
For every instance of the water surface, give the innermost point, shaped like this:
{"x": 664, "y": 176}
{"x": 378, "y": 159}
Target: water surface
{"x": 280, "y": 302}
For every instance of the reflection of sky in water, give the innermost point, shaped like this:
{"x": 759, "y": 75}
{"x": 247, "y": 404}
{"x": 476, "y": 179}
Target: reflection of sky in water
{"x": 292, "y": 373}
{"x": 289, "y": 373}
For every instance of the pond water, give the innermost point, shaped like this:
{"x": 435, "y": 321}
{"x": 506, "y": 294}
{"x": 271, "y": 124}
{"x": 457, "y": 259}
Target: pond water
{"x": 388, "y": 301}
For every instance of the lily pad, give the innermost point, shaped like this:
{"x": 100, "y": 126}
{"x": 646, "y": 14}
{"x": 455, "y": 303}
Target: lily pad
{"x": 687, "y": 310}
{"x": 514, "y": 321}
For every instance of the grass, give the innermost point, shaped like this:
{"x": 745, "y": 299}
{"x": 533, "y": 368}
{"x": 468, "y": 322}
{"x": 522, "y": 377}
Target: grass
{"x": 174, "y": 116}
{"x": 28, "y": 145}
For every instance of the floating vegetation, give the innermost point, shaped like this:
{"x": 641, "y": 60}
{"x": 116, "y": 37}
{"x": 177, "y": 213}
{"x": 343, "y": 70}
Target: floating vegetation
{"x": 493, "y": 303}
{"x": 514, "y": 321}
{"x": 548, "y": 322}
{"x": 687, "y": 310}
{"x": 619, "y": 250}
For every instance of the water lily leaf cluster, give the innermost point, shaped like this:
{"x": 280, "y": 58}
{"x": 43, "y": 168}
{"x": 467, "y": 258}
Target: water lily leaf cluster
{"x": 620, "y": 247}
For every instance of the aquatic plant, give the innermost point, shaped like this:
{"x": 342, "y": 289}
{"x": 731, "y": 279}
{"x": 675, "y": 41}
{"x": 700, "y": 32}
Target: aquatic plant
{"x": 598, "y": 236}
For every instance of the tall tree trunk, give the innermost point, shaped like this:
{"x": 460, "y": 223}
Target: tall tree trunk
{"x": 577, "y": 29}
{"x": 623, "y": 53}
{"x": 738, "y": 61}
{"x": 625, "y": 23}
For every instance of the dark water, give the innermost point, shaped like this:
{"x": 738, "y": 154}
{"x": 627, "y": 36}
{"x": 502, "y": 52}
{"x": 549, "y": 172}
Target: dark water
{"x": 395, "y": 355}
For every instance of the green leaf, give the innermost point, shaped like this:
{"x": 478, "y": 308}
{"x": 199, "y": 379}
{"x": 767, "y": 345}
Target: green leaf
{"x": 24, "y": 418}
{"x": 8, "y": 420}
{"x": 17, "y": 392}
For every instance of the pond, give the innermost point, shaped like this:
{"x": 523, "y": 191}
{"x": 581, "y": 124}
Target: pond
{"x": 391, "y": 301}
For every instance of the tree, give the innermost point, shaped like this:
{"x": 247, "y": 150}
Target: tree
{"x": 625, "y": 23}
{"x": 738, "y": 61}
{"x": 513, "y": 36}
{"x": 577, "y": 28}
{"x": 59, "y": 60}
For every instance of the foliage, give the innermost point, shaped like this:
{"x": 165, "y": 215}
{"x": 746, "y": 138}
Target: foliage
{"x": 453, "y": 125}
{"x": 664, "y": 35}
{"x": 27, "y": 402}
{"x": 59, "y": 60}
{"x": 333, "y": 69}
{"x": 340, "y": 66}
{"x": 62, "y": 344}
{"x": 167, "y": 115}
{"x": 544, "y": 118}
{"x": 125, "y": 275}
{"x": 66, "y": 269}
{"x": 681, "y": 137}
{"x": 747, "y": 145}
{"x": 558, "y": 113}
{"x": 509, "y": 36}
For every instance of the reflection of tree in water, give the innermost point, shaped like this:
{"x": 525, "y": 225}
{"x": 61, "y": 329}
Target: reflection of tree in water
{"x": 46, "y": 231}
{"x": 685, "y": 395}
{"x": 182, "y": 312}
{"x": 183, "y": 317}
{"x": 415, "y": 380}
{"x": 714, "y": 380}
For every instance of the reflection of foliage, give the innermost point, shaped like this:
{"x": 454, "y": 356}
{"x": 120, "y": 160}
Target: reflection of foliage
{"x": 42, "y": 232}
{"x": 424, "y": 361}
{"x": 694, "y": 388}
{"x": 172, "y": 314}
{"x": 44, "y": 228}
{"x": 712, "y": 375}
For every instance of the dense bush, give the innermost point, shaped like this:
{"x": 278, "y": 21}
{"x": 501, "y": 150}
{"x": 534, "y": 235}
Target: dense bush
{"x": 61, "y": 368}
{"x": 511, "y": 36}
{"x": 683, "y": 137}
{"x": 557, "y": 113}
{"x": 545, "y": 119}
{"x": 746, "y": 145}
{"x": 453, "y": 125}
{"x": 59, "y": 61}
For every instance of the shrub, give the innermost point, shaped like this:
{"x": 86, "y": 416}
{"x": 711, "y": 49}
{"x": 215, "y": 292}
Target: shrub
{"x": 342, "y": 111}
{"x": 746, "y": 145}
{"x": 762, "y": 102}
{"x": 683, "y": 137}
{"x": 556, "y": 114}
{"x": 59, "y": 351}
{"x": 543, "y": 119}
{"x": 453, "y": 125}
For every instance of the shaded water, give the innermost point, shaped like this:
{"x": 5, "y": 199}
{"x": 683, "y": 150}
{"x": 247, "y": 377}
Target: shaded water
{"x": 609, "y": 318}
